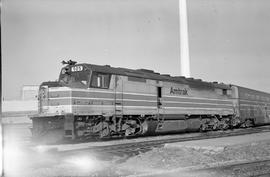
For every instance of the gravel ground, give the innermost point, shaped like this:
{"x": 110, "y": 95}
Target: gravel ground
{"x": 20, "y": 160}
{"x": 185, "y": 159}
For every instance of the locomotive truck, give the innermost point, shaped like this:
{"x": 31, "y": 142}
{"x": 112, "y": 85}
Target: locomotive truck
{"x": 92, "y": 101}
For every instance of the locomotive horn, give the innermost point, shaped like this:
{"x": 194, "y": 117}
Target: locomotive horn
{"x": 70, "y": 62}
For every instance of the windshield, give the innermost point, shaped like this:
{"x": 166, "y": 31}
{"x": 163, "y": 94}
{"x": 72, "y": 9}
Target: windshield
{"x": 77, "y": 79}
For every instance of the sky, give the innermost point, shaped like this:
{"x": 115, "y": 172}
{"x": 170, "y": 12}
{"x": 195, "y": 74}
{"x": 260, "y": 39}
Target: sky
{"x": 229, "y": 40}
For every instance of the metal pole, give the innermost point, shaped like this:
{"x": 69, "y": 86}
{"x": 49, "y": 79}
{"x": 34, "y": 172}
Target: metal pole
{"x": 184, "y": 45}
{"x": 1, "y": 128}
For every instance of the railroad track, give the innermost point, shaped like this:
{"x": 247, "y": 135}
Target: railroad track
{"x": 246, "y": 168}
{"x": 141, "y": 146}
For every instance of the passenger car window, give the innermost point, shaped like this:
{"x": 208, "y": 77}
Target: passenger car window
{"x": 100, "y": 80}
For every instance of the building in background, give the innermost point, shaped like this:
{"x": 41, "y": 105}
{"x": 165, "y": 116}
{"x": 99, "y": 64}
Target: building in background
{"x": 18, "y": 111}
{"x": 29, "y": 92}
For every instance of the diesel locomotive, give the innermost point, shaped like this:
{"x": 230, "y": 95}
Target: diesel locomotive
{"x": 92, "y": 101}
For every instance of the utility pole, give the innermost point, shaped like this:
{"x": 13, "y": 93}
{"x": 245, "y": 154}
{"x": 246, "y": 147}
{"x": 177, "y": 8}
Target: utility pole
{"x": 184, "y": 44}
{"x": 1, "y": 90}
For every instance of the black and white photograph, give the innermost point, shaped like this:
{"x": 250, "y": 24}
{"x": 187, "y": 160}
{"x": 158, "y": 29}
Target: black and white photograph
{"x": 135, "y": 88}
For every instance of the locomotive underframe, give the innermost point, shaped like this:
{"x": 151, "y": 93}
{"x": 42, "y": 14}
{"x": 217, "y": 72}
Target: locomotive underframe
{"x": 81, "y": 127}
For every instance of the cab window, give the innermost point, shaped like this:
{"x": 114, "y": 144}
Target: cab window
{"x": 100, "y": 80}
{"x": 78, "y": 79}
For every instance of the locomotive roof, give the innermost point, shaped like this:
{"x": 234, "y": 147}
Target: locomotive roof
{"x": 149, "y": 74}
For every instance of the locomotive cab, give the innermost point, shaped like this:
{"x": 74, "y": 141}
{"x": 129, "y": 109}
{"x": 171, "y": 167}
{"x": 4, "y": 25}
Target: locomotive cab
{"x": 80, "y": 76}
{"x": 74, "y": 94}
{"x": 75, "y": 84}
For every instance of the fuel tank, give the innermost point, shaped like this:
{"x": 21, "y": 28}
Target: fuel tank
{"x": 154, "y": 127}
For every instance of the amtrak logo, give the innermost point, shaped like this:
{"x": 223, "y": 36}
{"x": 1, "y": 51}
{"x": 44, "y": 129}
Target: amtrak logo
{"x": 178, "y": 91}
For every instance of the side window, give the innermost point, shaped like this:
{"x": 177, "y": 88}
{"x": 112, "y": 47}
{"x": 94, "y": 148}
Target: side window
{"x": 224, "y": 91}
{"x": 100, "y": 80}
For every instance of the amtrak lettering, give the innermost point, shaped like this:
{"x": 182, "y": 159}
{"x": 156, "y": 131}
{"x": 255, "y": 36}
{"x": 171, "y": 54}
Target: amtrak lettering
{"x": 178, "y": 91}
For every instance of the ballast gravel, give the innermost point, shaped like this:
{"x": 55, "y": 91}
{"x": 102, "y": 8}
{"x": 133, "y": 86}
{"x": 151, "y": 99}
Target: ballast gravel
{"x": 187, "y": 158}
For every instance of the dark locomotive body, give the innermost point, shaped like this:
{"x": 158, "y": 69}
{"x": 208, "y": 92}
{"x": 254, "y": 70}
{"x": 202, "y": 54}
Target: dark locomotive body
{"x": 101, "y": 101}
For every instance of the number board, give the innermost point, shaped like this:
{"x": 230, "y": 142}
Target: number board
{"x": 76, "y": 68}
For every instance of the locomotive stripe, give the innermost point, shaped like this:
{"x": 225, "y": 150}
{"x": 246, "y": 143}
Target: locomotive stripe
{"x": 87, "y": 101}
{"x": 119, "y": 99}
{"x": 98, "y": 91}
{"x": 194, "y": 108}
{"x": 102, "y": 95}
{"x": 92, "y": 94}
{"x": 196, "y": 105}
{"x": 136, "y": 103}
{"x": 252, "y": 105}
{"x": 145, "y": 99}
{"x": 199, "y": 102}
{"x": 96, "y": 106}
{"x": 248, "y": 109}
{"x": 203, "y": 103}
{"x": 135, "y": 97}
{"x": 141, "y": 107}
{"x": 176, "y": 98}
{"x": 67, "y": 89}
{"x": 193, "y": 97}
{"x": 64, "y": 99}
{"x": 250, "y": 101}
{"x": 101, "y": 99}
{"x": 111, "y": 93}
{"x": 83, "y": 98}
{"x": 258, "y": 103}
{"x": 100, "y": 102}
